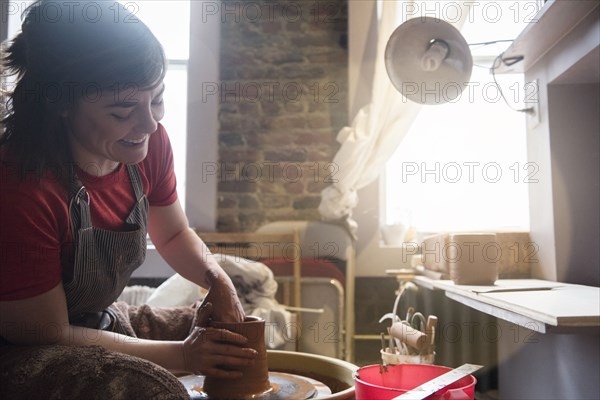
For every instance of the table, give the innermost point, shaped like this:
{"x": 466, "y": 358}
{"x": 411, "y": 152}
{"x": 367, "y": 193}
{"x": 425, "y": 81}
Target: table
{"x": 541, "y": 306}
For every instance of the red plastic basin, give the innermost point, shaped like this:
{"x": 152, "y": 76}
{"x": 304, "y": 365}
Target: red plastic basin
{"x": 377, "y": 383}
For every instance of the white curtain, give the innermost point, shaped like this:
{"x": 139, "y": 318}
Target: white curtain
{"x": 379, "y": 127}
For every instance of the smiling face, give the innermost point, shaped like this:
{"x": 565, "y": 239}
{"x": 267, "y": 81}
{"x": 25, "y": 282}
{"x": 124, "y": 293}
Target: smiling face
{"x": 114, "y": 128}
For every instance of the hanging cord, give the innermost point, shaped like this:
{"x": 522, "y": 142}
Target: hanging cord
{"x": 483, "y": 44}
{"x": 498, "y": 61}
{"x": 491, "y": 42}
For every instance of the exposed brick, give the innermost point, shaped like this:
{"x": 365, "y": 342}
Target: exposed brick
{"x": 237, "y": 187}
{"x": 238, "y": 155}
{"x": 284, "y": 55}
{"x": 323, "y": 139}
{"x": 295, "y": 155}
{"x": 227, "y": 202}
{"x": 249, "y": 107}
{"x": 275, "y": 201}
{"x": 318, "y": 39}
{"x": 271, "y": 27}
{"x": 287, "y": 122}
{"x": 283, "y": 98}
{"x": 291, "y": 172}
{"x": 254, "y": 171}
{"x": 253, "y": 139}
{"x": 303, "y": 71}
{"x": 251, "y": 221}
{"x": 278, "y": 138}
{"x": 319, "y": 121}
{"x": 259, "y": 73}
{"x": 271, "y": 187}
{"x": 278, "y": 214}
{"x": 241, "y": 57}
{"x": 248, "y": 201}
{"x": 294, "y": 26}
{"x": 323, "y": 57}
{"x": 231, "y": 139}
{"x": 316, "y": 187}
{"x": 237, "y": 123}
{"x": 319, "y": 154}
{"x": 294, "y": 107}
{"x": 311, "y": 214}
{"x": 270, "y": 107}
{"x": 294, "y": 187}
{"x": 249, "y": 38}
{"x": 228, "y": 171}
{"x": 307, "y": 202}
{"x": 228, "y": 223}
{"x": 227, "y": 108}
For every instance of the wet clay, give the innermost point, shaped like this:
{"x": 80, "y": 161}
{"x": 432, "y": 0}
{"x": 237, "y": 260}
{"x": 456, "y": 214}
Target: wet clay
{"x": 255, "y": 378}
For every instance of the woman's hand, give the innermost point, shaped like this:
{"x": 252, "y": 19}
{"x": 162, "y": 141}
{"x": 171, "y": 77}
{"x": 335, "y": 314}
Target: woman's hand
{"x": 183, "y": 249}
{"x": 215, "y": 352}
{"x": 222, "y": 294}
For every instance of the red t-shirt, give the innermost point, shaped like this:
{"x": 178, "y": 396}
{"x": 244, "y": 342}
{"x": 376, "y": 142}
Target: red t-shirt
{"x": 36, "y": 243}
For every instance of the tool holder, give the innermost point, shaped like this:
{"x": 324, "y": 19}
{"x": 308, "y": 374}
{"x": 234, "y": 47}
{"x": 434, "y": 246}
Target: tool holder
{"x": 412, "y": 339}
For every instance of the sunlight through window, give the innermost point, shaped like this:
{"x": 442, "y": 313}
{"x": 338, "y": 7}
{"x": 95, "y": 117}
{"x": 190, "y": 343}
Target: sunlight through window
{"x": 463, "y": 165}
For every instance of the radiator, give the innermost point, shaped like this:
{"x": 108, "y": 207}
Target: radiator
{"x": 319, "y": 332}
{"x": 464, "y": 335}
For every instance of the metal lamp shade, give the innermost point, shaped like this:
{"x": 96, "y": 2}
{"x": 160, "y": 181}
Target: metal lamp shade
{"x": 413, "y": 75}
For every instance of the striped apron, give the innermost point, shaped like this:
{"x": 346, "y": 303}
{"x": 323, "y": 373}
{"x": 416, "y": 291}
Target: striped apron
{"x": 104, "y": 260}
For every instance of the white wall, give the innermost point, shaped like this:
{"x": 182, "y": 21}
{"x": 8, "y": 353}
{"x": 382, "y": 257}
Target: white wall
{"x": 575, "y": 148}
{"x": 4, "y": 19}
{"x": 371, "y": 258}
{"x": 203, "y": 120}
{"x": 202, "y": 135}
{"x": 564, "y": 219}
{"x": 564, "y": 145}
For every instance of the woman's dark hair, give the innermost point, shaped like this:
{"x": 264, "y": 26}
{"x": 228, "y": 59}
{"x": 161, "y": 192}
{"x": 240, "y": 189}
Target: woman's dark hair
{"x": 65, "y": 52}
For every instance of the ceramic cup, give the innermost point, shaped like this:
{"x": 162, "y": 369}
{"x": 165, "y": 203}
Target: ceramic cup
{"x": 255, "y": 378}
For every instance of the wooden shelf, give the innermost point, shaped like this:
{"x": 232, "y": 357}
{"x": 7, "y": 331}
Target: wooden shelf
{"x": 552, "y": 23}
{"x": 538, "y": 305}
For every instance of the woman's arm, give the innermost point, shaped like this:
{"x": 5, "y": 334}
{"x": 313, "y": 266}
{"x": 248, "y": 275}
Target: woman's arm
{"x": 187, "y": 254}
{"x": 43, "y": 319}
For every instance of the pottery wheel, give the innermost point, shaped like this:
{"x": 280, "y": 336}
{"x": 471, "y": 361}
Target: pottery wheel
{"x": 283, "y": 387}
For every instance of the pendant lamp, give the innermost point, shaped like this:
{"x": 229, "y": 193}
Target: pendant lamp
{"x": 428, "y": 60}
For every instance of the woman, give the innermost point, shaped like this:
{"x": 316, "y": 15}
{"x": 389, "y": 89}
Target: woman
{"x": 86, "y": 171}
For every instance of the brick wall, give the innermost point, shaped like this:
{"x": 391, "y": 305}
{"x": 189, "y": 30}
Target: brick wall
{"x": 283, "y": 97}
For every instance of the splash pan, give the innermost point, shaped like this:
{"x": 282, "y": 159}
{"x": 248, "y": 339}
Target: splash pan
{"x": 295, "y": 376}
{"x": 283, "y": 387}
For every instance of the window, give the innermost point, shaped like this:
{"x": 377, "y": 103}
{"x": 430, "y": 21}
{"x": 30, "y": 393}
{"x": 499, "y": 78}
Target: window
{"x": 170, "y": 22}
{"x": 463, "y": 165}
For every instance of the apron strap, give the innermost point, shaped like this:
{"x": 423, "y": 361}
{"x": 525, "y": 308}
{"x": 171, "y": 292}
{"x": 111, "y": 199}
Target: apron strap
{"x": 136, "y": 181}
{"x": 81, "y": 198}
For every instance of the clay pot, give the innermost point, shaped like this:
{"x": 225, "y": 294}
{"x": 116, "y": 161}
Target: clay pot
{"x": 255, "y": 378}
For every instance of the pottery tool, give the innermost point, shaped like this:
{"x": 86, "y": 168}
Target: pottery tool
{"x": 409, "y": 313}
{"x": 409, "y": 335}
{"x": 396, "y": 345}
{"x": 430, "y": 331}
{"x": 383, "y": 343}
{"x": 430, "y": 387}
{"x": 395, "y": 318}
{"x": 417, "y": 321}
